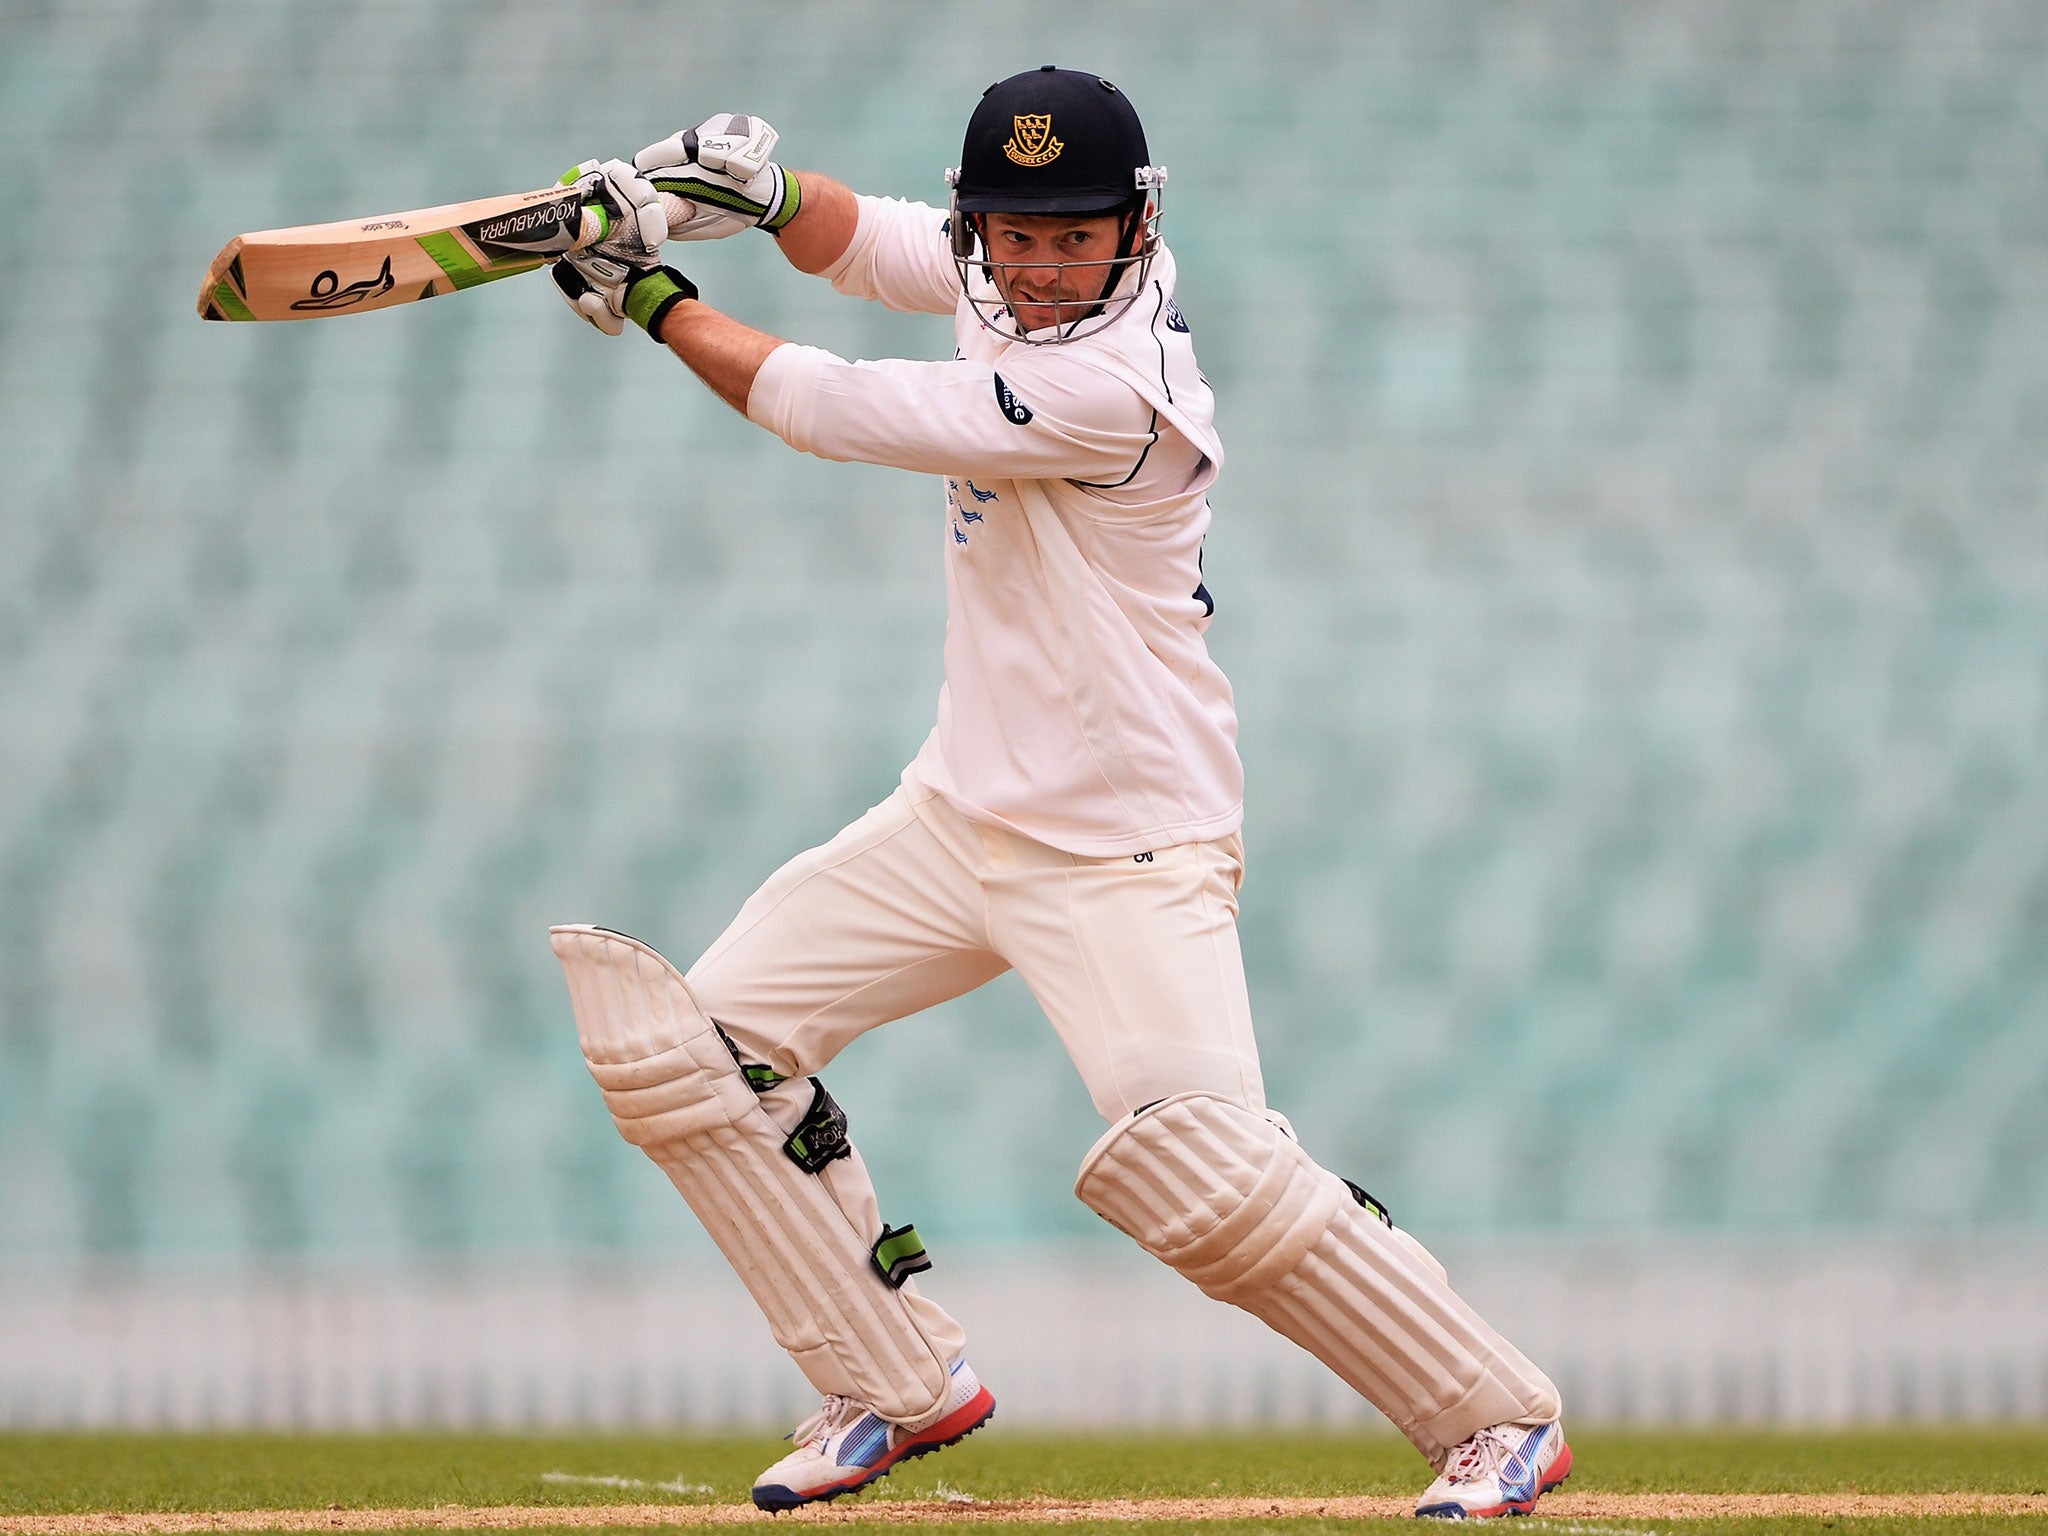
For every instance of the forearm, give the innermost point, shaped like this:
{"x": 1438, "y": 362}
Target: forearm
{"x": 823, "y": 227}
{"x": 721, "y": 351}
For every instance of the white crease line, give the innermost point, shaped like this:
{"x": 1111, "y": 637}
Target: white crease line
{"x": 940, "y": 1492}
{"x": 1573, "y": 1528}
{"x": 677, "y": 1486}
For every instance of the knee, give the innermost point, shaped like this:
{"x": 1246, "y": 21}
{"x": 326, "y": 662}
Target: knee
{"x": 666, "y": 1072}
{"x": 1214, "y": 1189}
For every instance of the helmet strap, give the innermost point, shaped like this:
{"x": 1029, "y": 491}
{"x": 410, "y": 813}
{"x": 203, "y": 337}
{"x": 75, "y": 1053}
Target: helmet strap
{"x": 1127, "y": 242}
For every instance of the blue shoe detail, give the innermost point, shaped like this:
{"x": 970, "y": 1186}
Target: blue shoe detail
{"x": 1518, "y": 1472}
{"x": 865, "y": 1442}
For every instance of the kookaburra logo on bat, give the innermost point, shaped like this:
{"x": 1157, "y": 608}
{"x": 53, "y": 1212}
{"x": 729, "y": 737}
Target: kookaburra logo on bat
{"x": 1031, "y": 140}
{"x": 328, "y": 293}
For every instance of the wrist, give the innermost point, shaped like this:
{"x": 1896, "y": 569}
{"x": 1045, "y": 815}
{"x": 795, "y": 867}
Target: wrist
{"x": 651, "y": 295}
{"x": 789, "y": 196}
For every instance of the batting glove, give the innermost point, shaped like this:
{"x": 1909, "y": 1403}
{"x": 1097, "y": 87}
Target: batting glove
{"x": 721, "y": 167}
{"x": 632, "y": 218}
{"x": 608, "y": 291}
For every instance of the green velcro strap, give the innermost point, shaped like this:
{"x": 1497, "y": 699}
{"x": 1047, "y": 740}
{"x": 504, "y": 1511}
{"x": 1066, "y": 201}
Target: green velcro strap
{"x": 820, "y": 1136}
{"x": 792, "y": 199}
{"x": 652, "y": 295}
{"x": 898, "y": 1254}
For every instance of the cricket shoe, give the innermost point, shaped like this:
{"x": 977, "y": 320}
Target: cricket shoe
{"x": 1499, "y": 1471}
{"x": 846, "y": 1445}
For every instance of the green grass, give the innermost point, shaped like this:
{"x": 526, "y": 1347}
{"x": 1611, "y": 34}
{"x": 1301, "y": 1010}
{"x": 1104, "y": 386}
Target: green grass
{"x": 43, "y": 1474}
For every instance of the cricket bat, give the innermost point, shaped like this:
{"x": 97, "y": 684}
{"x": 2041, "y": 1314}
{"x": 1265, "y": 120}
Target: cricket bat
{"x": 357, "y": 265}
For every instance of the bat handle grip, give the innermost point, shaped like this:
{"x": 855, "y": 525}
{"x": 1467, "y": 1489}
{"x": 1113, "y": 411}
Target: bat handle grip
{"x": 679, "y": 211}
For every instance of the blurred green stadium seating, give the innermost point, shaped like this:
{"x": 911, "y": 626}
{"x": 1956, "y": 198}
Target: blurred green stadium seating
{"x": 1632, "y": 562}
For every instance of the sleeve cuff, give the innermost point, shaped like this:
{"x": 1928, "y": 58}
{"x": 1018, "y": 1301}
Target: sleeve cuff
{"x": 781, "y": 395}
{"x": 866, "y": 213}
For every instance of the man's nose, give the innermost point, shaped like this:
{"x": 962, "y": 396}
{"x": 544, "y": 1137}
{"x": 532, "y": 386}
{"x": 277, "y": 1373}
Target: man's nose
{"x": 1037, "y": 267}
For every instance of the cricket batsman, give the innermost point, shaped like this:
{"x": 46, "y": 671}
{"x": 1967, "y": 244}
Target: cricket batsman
{"x": 1073, "y": 814}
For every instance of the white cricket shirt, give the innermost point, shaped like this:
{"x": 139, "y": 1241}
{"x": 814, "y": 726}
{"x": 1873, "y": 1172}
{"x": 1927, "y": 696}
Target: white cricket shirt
{"x": 1080, "y": 705}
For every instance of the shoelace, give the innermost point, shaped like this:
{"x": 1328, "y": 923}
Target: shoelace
{"x": 833, "y": 1415}
{"x": 1480, "y": 1457}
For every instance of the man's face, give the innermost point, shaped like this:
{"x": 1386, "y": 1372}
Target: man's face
{"x": 1027, "y": 249}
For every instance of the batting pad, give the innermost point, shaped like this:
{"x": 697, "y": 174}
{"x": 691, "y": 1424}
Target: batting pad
{"x": 1227, "y": 1198}
{"x": 802, "y": 1242}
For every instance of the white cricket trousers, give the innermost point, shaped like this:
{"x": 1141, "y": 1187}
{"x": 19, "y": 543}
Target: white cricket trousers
{"x": 1135, "y": 961}
{"x": 1133, "y": 958}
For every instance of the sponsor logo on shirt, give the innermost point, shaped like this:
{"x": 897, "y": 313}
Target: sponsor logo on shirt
{"x": 1175, "y": 320}
{"x": 1012, "y": 407}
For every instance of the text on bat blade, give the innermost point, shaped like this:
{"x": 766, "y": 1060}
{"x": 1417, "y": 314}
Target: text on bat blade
{"x": 528, "y": 220}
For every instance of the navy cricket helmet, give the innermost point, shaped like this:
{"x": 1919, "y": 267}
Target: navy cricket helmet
{"x": 1057, "y": 141}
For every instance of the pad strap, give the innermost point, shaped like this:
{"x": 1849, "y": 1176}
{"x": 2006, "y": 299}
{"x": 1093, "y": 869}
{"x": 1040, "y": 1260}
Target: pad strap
{"x": 899, "y": 1254}
{"x": 820, "y": 1137}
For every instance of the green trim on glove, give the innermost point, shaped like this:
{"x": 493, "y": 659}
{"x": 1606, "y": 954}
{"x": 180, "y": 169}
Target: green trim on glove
{"x": 698, "y": 190}
{"x": 690, "y": 183}
{"x": 652, "y": 294}
{"x": 792, "y": 199}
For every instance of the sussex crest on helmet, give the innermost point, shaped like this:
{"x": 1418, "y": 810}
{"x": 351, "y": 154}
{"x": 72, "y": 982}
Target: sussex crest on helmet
{"x": 1031, "y": 140}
